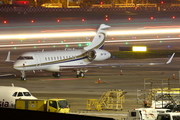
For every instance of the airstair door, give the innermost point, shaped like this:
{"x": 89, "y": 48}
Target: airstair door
{"x": 38, "y": 61}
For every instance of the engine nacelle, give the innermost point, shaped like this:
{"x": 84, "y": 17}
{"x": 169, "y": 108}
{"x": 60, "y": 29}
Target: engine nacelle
{"x": 98, "y": 55}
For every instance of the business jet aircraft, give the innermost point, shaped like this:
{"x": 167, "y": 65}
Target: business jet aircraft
{"x": 75, "y": 60}
{"x": 9, "y": 94}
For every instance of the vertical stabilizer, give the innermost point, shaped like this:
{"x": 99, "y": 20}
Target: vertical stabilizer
{"x": 98, "y": 40}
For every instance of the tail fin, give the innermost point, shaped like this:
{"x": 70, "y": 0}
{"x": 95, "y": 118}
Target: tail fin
{"x": 98, "y": 40}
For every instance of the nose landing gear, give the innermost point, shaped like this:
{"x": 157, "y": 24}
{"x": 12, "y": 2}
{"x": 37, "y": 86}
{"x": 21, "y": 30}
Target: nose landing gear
{"x": 23, "y": 75}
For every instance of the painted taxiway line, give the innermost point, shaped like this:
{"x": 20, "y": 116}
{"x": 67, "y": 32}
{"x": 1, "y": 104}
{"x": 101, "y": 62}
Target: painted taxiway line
{"x": 63, "y": 79}
{"x": 106, "y": 114}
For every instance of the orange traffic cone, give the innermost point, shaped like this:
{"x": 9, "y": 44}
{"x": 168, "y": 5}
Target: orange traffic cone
{"x": 121, "y": 73}
{"x": 99, "y": 81}
{"x": 173, "y": 76}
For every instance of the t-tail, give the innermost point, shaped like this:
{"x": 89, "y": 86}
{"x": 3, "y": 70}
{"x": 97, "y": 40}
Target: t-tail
{"x": 99, "y": 39}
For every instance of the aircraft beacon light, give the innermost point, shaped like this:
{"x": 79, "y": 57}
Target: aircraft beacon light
{"x": 4, "y": 21}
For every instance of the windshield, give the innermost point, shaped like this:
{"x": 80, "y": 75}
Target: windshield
{"x": 25, "y": 58}
{"x": 26, "y": 94}
{"x": 63, "y": 104}
{"x": 163, "y": 117}
{"x": 18, "y": 94}
{"x": 14, "y": 94}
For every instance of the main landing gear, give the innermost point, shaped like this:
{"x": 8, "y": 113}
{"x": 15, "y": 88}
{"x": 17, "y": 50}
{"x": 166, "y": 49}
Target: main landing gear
{"x": 79, "y": 74}
{"x": 56, "y": 74}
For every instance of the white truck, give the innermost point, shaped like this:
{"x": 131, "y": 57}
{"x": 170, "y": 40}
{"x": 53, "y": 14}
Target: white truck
{"x": 145, "y": 113}
{"x": 168, "y": 116}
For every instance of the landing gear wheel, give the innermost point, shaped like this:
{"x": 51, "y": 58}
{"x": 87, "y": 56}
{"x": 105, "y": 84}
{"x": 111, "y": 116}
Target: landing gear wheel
{"x": 80, "y": 75}
{"x": 23, "y": 78}
{"x": 56, "y": 75}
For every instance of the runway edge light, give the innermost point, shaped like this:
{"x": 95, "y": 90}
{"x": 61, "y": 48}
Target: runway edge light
{"x": 139, "y": 48}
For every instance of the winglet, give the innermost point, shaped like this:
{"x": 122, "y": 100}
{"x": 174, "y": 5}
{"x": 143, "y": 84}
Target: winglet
{"x": 170, "y": 59}
{"x": 8, "y": 57}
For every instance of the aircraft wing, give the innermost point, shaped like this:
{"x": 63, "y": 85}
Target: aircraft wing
{"x": 7, "y": 75}
{"x": 120, "y": 64}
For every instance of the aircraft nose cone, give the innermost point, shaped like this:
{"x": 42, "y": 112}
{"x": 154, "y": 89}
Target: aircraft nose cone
{"x": 17, "y": 65}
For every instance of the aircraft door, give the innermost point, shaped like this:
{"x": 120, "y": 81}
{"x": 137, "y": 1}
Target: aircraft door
{"x": 37, "y": 60}
{"x": 53, "y": 106}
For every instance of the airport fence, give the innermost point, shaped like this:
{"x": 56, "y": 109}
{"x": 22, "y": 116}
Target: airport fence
{"x": 133, "y": 9}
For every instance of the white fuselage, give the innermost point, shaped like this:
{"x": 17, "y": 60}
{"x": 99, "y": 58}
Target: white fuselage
{"x": 9, "y": 94}
{"x": 55, "y": 61}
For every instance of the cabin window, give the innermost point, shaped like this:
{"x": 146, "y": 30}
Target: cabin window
{"x": 57, "y": 58}
{"x": 48, "y": 58}
{"x": 26, "y": 94}
{"x": 20, "y": 94}
{"x": 14, "y": 94}
{"x": 60, "y": 58}
{"x": 25, "y": 58}
{"x": 54, "y": 58}
{"x": 51, "y": 58}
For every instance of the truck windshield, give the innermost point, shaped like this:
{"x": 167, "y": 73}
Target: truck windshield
{"x": 63, "y": 104}
{"x": 163, "y": 117}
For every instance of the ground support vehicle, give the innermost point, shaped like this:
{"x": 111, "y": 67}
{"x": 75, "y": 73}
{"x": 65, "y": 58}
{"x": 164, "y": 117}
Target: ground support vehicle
{"x": 50, "y": 105}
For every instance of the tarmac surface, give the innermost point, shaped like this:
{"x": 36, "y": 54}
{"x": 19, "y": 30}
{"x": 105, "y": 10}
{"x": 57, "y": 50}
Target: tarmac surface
{"x": 78, "y": 90}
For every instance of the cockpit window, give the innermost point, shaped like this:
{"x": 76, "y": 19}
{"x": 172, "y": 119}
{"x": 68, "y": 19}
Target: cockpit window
{"x": 25, "y": 58}
{"x": 26, "y": 94}
{"x": 20, "y": 94}
{"x": 14, "y": 94}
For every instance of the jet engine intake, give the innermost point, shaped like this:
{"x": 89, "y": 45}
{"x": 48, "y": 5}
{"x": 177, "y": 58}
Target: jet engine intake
{"x": 98, "y": 55}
